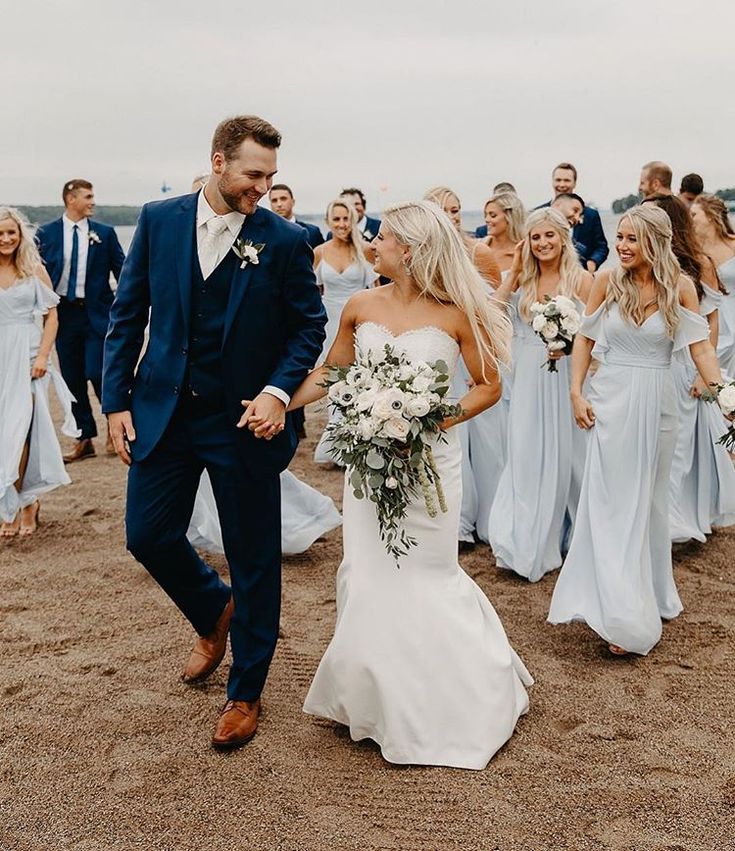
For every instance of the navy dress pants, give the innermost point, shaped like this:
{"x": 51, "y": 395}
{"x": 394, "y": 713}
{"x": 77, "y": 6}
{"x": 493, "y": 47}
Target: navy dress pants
{"x": 160, "y": 499}
{"x": 79, "y": 348}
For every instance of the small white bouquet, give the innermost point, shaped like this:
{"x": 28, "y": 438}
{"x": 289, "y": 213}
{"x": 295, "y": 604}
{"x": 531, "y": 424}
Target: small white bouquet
{"x": 556, "y": 320}
{"x": 724, "y": 395}
{"x": 391, "y": 408}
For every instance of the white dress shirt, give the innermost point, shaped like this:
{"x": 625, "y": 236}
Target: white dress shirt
{"x": 83, "y": 234}
{"x": 212, "y": 248}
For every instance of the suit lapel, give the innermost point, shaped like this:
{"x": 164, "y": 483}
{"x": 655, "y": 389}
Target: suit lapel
{"x": 56, "y": 260}
{"x": 184, "y": 239}
{"x": 253, "y": 229}
{"x": 91, "y": 228}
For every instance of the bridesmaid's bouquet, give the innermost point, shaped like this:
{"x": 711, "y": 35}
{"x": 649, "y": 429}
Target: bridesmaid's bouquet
{"x": 390, "y": 409}
{"x": 556, "y": 320}
{"x": 724, "y": 395}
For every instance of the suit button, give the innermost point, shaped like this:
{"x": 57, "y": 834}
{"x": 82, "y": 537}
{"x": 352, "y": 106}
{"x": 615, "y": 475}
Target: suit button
{"x": 176, "y": 390}
{"x": 184, "y": 351}
{"x": 203, "y": 290}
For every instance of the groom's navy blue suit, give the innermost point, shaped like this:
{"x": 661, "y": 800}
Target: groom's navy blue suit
{"x": 211, "y": 344}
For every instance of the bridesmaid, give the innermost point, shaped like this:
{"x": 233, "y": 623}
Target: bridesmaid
{"x": 702, "y": 483}
{"x": 488, "y": 432}
{"x": 712, "y": 226}
{"x": 342, "y": 269}
{"x": 505, "y": 218}
{"x": 30, "y": 457}
{"x": 480, "y": 255}
{"x": 482, "y": 259}
{"x": 534, "y": 502}
{"x": 618, "y": 577}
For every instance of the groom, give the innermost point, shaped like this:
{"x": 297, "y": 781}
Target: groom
{"x": 236, "y": 321}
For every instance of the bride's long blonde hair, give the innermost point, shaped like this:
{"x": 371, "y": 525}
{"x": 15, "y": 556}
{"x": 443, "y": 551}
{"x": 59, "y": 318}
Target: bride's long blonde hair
{"x": 442, "y": 269}
{"x": 570, "y": 271}
{"x": 652, "y": 228}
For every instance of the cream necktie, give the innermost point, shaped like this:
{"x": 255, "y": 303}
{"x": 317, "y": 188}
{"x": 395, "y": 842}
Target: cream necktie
{"x": 210, "y": 250}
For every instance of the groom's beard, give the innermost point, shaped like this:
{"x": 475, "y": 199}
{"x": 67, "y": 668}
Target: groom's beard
{"x": 242, "y": 202}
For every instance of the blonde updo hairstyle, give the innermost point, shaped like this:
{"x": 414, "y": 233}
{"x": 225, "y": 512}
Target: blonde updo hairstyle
{"x": 26, "y": 258}
{"x": 652, "y": 228}
{"x": 570, "y": 271}
{"x": 514, "y": 212}
{"x": 442, "y": 270}
{"x": 355, "y": 240}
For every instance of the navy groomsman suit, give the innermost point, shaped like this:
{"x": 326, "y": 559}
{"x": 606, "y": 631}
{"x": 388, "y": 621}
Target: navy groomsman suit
{"x": 315, "y": 235}
{"x": 215, "y": 338}
{"x": 79, "y": 257}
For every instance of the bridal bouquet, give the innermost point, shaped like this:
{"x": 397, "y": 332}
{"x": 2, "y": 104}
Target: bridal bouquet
{"x": 390, "y": 409}
{"x": 556, "y": 320}
{"x": 724, "y": 395}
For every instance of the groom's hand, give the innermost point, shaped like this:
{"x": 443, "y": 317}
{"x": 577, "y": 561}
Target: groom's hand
{"x": 122, "y": 434}
{"x": 265, "y": 416}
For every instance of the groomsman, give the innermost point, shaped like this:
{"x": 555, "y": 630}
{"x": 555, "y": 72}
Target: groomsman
{"x": 589, "y": 237}
{"x": 282, "y": 204}
{"x": 79, "y": 255}
{"x": 690, "y": 188}
{"x": 655, "y": 179}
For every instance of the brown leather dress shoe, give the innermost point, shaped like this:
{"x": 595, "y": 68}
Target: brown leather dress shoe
{"x": 82, "y": 449}
{"x": 237, "y": 724}
{"x": 209, "y": 650}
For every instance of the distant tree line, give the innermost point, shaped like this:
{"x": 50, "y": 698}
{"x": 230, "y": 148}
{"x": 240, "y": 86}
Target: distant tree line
{"x": 119, "y": 215}
{"x": 620, "y": 205}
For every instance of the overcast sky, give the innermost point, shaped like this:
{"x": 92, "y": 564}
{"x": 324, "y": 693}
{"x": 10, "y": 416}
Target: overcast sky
{"x": 391, "y": 96}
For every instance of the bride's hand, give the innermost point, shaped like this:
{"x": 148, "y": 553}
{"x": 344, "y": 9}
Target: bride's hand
{"x": 583, "y": 413}
{"x": 265, "y": 416}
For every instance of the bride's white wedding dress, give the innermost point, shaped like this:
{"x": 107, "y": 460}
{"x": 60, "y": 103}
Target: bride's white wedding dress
{"x": 419, "y": 661}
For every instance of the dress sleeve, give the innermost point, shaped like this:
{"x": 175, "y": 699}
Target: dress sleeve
{"x": 593, "y": 328}
{"x": 710, "y": 301}
{"x": 692, "y": 328}
{"x": 46, "y": 298}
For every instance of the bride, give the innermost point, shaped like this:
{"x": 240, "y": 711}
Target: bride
{"x": 419, "y": 661}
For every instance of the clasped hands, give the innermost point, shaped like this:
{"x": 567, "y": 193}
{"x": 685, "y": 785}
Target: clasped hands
{"x": 264, "y": 416}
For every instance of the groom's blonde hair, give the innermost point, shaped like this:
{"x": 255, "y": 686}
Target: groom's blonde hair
{"x": 442, "y": 269}
{"x": 232, "y": 132}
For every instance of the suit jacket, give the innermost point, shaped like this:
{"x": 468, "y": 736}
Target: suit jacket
{"x": 315, "y": 234}
{"x": 273, "y": 330}
{"x": 481, "y": 232}
{"x": 103, "y": 257}
{"x": 589, "y": 237}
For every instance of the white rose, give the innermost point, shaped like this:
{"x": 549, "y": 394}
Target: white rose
{"x": 555, "y": 345}
{"x": 565, "y": 305}
{"x": 571, "y": 324}
{"x": 365, "y": 399}
{"x": 726, "y": 398}
{"x": 367, "y": 428}
{"x": 391, "y": 483}
{"x": 250, "y": 254}
{"x": 421, "y": 383}
{"x": 549, "y": 331}
{"x": 418, "y": 406}
{"x": 537, "y": 307}
{"x": 538, "y": 322}
{"x": 406, "y": 372}
{"x": 389, "y": 403}
{"x": 396, "y": 428}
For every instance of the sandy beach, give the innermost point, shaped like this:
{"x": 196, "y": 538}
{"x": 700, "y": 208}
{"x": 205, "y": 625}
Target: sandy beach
{"x": 102, "y": 748}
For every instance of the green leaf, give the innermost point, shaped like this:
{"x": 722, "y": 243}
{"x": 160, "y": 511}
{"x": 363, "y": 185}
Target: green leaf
{"x": 374, "y": 460}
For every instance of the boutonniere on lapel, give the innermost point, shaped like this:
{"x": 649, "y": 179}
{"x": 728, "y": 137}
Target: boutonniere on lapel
{"x": 94, "y": 238}
{"x": 248, "y": 251}
{"x": 367, "y": 235}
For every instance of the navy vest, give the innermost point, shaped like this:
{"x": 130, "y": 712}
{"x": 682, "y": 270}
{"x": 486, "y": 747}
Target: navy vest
{"x": 206, "y": 328}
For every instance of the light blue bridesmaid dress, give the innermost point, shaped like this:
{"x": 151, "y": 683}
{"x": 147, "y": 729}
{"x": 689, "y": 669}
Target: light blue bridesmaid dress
{"x": 702, "y": 484}
{"x": 530, "y": 515}
{"x": 617, "y": 576}
{"x": 726, "y": 339}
